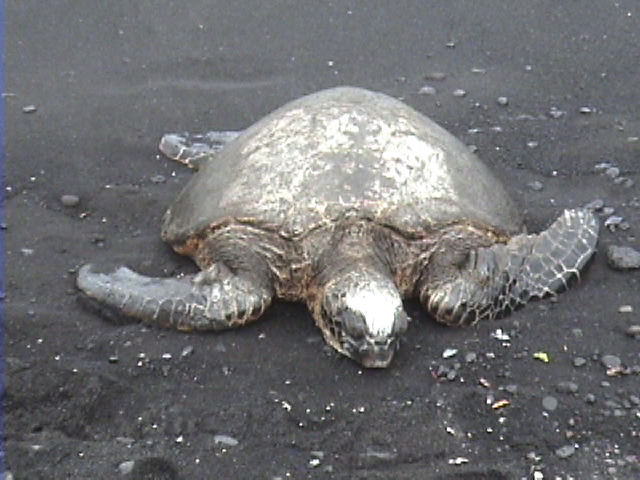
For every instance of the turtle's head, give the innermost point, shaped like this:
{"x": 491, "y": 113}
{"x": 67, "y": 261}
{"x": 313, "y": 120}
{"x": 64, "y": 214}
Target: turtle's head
{"x": 361, "y": 315}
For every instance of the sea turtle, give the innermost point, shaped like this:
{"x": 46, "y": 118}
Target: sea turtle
{"x": 350, "y": 201}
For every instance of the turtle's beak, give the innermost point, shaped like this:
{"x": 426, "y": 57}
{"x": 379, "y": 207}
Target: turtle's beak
{"x": 374, "y": 355}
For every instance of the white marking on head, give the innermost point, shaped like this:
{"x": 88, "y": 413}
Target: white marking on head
{"x": 378, "y": 306}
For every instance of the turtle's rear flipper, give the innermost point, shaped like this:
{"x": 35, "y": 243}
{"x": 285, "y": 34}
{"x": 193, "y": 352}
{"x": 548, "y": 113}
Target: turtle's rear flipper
{"x": 497, "y": 279}
{"x": 192, "y": 149}
{"x": 214, "y": 299}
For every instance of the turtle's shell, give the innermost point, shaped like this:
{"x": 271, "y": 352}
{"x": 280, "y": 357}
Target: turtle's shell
{"x": 338, "y": 153}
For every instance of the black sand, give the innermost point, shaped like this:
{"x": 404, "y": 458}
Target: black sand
{"x": 91, "y": 86}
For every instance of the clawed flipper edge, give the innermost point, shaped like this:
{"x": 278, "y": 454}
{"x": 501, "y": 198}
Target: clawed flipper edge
{"x": 500, "y": 278}
{"x": 184, "y": 303}
{"x": 193, "y": 149}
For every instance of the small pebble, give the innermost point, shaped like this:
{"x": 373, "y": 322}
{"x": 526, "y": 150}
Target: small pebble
{"x": 625, "y": 309}
{"x": 158, "y": 179}
{"x": 612, "y": 172}
{"x": 186, "y": 351}
{"x": 29, "y": 109}
{"x": 470, "y": 357}
{"x": 435, "y": 76}
{"x": 511, "y": 388}
{"x": 532, "y": 144}
{"x": 225, "y": 440}
{"x": 459, "y": 92}
{"x": 550, "y": 403}
{"x": 625, "y": 182}
{"x": 597, "y": 204}
{"x": 602, "y": 166}
{"x": 427, "y": 90}
{"x": 610, "y": 361}
{"x": 125, "y": 467}
{"x": 579, "y": 361}
{"x": 535, "y": 185}
{"x": 70, "y": 200}
{"x": 590, "y": 398}
{"x": 633, "y": 331}
{"x": 379, "y": 454}
{"x": 503, "y": 101}
{"x": 623, "y": 258}
{"x": 556, "y": 113}
{"x": 567, "y": 387}
{"x": 586, "y": 110}
{"x": 613, "y": 222}
{"x": 449, "y": 352}
{"x": 566, "y": 451}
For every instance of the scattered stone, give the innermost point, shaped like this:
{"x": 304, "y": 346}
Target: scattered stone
{"x": 29, "y": 109}
{"x": 556, "y": 113}
{"x": 612, "y": 172}
{"x": 114, "y": 359}
{"x": 459, "y": 92}
{"x": 611, "y": 361}
{"x": 427, "y": 90}
{"x": 158, "y": 179}
{"x": 470, "y": 357}
{"x": 532, "y": 144}
{"x": 623, "y": 258}
{"x": 535, "y": 185}
{"x": 225, "y": 440}
{"x": 579, "y": 362}
{"x": 70, "y": 200}
{"x": 567, "y": 387}
{"x": 498, "y": 334}
{"x": 512, "y": 388}
{"x": 597, "y": 204}
{"x": 550, "y": 403}
{"x": 449, "y": 352}
{"x": 627, "y": 183}
{"x": 26, "y": 252}
{"x": 186, "y": 351}
{"x": 126, "y": 440}
{"x": 590, "y": 398}
{"x": 565, "y": 451}
{"x": 380, "y": 454}
{"x": 625, "y": 309}
{"x": 602, "y": 166}
{"x": 633, "y": 331}
{"x": 503, "y": 101}
{"x": 613, "y": 222}
{"x": 608, "y": 211}
{"x": 586, "y": 110}
{"x": 438, "y": 76}
{"x": 125, "y": 467}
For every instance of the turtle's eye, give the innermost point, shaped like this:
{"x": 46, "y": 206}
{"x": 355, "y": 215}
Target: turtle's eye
{"x": 353, "y": 323}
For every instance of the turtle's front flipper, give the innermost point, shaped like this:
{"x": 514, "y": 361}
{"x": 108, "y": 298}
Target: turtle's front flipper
{"x": 497, "y": 279}
{"x": 192, "y": 149}
{"x": 214, "y": 299}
